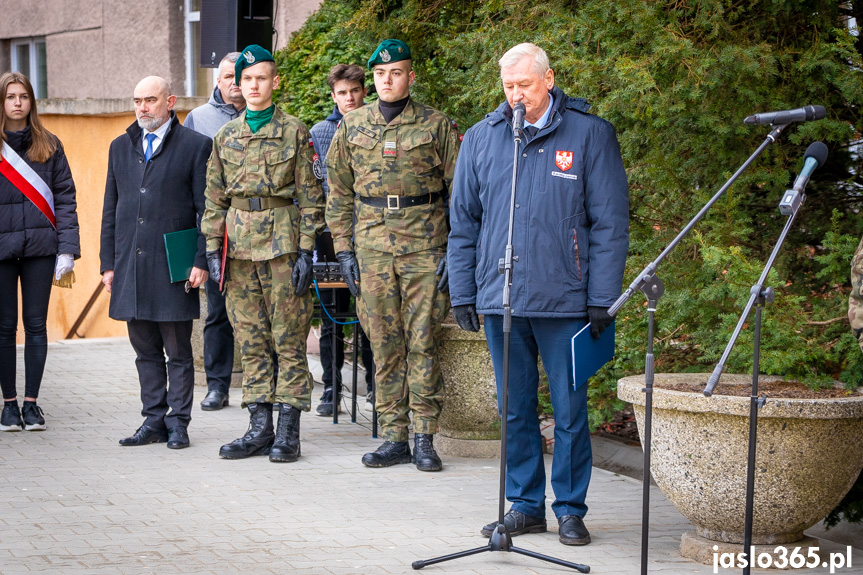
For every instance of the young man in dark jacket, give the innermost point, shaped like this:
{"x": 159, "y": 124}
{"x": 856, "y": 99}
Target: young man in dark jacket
{"x": 348, "y": 91}
{"x": 570, "y": 238}
{"x": 156, "y": 181}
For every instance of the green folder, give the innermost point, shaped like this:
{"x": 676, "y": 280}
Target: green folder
{"x": 181, "y": 247}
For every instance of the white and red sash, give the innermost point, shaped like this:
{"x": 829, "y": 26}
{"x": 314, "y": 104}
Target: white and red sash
{"x": 28, "y": 182}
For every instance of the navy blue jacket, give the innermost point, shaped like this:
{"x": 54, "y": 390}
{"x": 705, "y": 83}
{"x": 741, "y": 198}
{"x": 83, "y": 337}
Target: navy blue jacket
{"x": 571, "y": 230}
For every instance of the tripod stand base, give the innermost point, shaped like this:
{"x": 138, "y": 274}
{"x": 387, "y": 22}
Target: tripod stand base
{"x": 700, "y": 549}
{"x": 500, "y": 540}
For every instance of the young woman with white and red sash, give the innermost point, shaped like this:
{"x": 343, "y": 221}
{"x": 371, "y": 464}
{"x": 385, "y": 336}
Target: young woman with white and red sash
{"x": 38, "y": 242}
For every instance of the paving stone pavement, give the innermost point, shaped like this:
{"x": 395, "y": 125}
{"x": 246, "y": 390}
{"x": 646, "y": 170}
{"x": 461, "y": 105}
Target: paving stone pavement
{"x": 75, "y": 502}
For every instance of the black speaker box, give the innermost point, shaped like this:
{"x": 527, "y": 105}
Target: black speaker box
{"x": 231, "y": 25}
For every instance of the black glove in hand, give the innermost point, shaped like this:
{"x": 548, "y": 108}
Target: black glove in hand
{"x": 599, "y": 320}
{"x": 466, "y": 317}
{"x": 351, "y": 271}
{"x": 214, "y": 264}
{"x": 443, "y": 272}
{"x": 302, "y": 275}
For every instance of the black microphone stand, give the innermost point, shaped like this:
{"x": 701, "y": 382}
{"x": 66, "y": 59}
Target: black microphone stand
{"x": 500, "y": 539}
{"x": 653, "y": 288}
{"x": 759, "y": 297}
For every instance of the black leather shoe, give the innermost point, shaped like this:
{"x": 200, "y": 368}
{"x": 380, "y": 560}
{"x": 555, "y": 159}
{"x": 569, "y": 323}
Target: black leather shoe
{"x": 178, "y": 438}
{"x": 573, "y": 531}
{"x": 389, "y": 453}
{"x": 424, "y": 454}
{"x": 145, "y": 435}
{"x": 517, "y": 523}
{"x": 214, "y": 401}
{"x": 258, "y": 440}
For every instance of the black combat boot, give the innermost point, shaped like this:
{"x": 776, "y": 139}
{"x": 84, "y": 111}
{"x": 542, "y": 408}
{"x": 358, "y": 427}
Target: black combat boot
{"x": 424, "y": 454}
{"x": 258, "y": 439}
{"x": 389, "y": 453}
{"x": 286, "y": 447}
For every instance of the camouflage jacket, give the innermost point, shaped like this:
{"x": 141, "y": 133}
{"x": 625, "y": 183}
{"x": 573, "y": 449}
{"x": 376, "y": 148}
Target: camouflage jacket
{"x": 277, "y": 161}
{"x": 855, "y": 302}
{"x": 414, "y": 155}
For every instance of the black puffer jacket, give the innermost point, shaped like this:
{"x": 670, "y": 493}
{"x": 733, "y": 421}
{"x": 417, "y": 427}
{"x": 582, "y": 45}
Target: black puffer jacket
{"x": 24, "y": 230}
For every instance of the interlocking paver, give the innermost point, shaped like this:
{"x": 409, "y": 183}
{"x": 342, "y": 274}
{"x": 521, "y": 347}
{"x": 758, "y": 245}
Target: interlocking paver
{"x": 74, "y": 502}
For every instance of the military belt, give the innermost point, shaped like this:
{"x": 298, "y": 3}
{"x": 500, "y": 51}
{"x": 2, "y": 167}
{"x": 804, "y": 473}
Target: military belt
{"x": 259, "y": 204}
{"x": 394, "y": 202}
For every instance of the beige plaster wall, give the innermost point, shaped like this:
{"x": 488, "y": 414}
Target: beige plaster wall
{"x": 143, "y": 38}
{"x": 44, "y": 17}
{"x": 292, "y": 15}
{"x": 70, "y": 75}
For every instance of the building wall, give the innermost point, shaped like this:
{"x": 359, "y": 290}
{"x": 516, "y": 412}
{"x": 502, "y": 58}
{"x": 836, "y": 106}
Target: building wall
{"x": 290, "y": 18}
{"x": 101, "y": 48}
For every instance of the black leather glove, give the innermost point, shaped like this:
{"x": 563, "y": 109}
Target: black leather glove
{"x": 302, "y": 274}
{"x": 443, "y": 272}
{"x": 351, "y": 271}
{"x": 599, "y": 320}
{"x": 466, "y": 317}
{"x": 214, "y": 264}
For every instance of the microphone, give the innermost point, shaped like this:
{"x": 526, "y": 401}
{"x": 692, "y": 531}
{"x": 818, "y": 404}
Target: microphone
{"x": 816, "y": 155}
{"x": 805, "y": 114}
{"x": 518, "y": 120}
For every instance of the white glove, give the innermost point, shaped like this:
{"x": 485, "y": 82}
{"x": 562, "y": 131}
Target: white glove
{"x": 65, "y": 263}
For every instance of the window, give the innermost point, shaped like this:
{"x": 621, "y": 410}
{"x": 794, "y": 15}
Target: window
{"x": 29, "y": 58}
{"x": 199, "y": 81}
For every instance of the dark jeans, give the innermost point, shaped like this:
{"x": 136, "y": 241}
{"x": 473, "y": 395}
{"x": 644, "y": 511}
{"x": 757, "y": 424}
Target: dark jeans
{"x": 218, "y": 341}
{"x": 35, "y": 275}
{"x": 342, "y": 305}
{"x": 151, "y": 341}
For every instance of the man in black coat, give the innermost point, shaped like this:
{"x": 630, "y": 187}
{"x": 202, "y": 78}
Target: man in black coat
{"x": 156, "y": 181}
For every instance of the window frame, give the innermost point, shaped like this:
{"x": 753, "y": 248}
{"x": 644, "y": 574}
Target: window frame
{"x": 33, "y": 74}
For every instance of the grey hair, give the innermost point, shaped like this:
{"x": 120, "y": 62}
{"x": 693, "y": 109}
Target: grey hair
{"x": 515, "y": 54}
{"x": 230, "y": 57}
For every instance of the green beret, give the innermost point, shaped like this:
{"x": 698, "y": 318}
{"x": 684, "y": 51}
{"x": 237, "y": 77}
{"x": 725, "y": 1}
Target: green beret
{"x": 389, "y": 51}
{"x": 250, "y": 56}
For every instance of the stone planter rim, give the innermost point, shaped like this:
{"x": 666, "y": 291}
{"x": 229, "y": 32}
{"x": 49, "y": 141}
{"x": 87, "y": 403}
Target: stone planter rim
{"x": 630, "y": 389}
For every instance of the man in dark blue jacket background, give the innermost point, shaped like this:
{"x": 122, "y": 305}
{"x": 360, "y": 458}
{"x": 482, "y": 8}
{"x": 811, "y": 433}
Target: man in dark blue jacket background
{"x": 570, "y": 239}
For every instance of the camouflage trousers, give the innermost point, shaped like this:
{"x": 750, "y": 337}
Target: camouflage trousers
{"x": 268, "y": 320}
{"x": 401, "y": 309}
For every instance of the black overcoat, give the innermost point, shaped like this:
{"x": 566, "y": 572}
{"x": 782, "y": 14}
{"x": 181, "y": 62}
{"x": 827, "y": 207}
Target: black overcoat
{"x": 144, "y": 201}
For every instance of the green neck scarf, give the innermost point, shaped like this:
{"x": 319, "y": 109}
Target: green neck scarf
{"x": 258, "y": 119}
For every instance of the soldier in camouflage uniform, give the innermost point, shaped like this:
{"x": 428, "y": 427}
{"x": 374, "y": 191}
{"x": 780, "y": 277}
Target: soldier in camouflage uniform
{"x": 855, "y": 301}
{"x": 264, "y": 195}
{"x": 389, "y": 168}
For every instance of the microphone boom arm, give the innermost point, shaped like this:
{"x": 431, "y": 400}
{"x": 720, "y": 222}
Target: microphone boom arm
{"x": 649, "y": 271}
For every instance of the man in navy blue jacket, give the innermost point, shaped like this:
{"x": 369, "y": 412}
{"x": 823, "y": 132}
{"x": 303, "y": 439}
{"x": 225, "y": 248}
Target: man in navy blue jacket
{"x": 570, "y": 238}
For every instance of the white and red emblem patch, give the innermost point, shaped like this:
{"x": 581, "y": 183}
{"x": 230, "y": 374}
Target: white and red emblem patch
{"x": 563, "y": 159}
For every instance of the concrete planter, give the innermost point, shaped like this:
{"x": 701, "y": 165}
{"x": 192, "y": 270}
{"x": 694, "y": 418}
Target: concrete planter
{"x": 469, "y": 422}
{"x": 808, "y": 456}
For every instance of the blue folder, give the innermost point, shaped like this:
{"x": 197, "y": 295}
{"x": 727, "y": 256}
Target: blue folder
{"x": 588, "y": 354}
